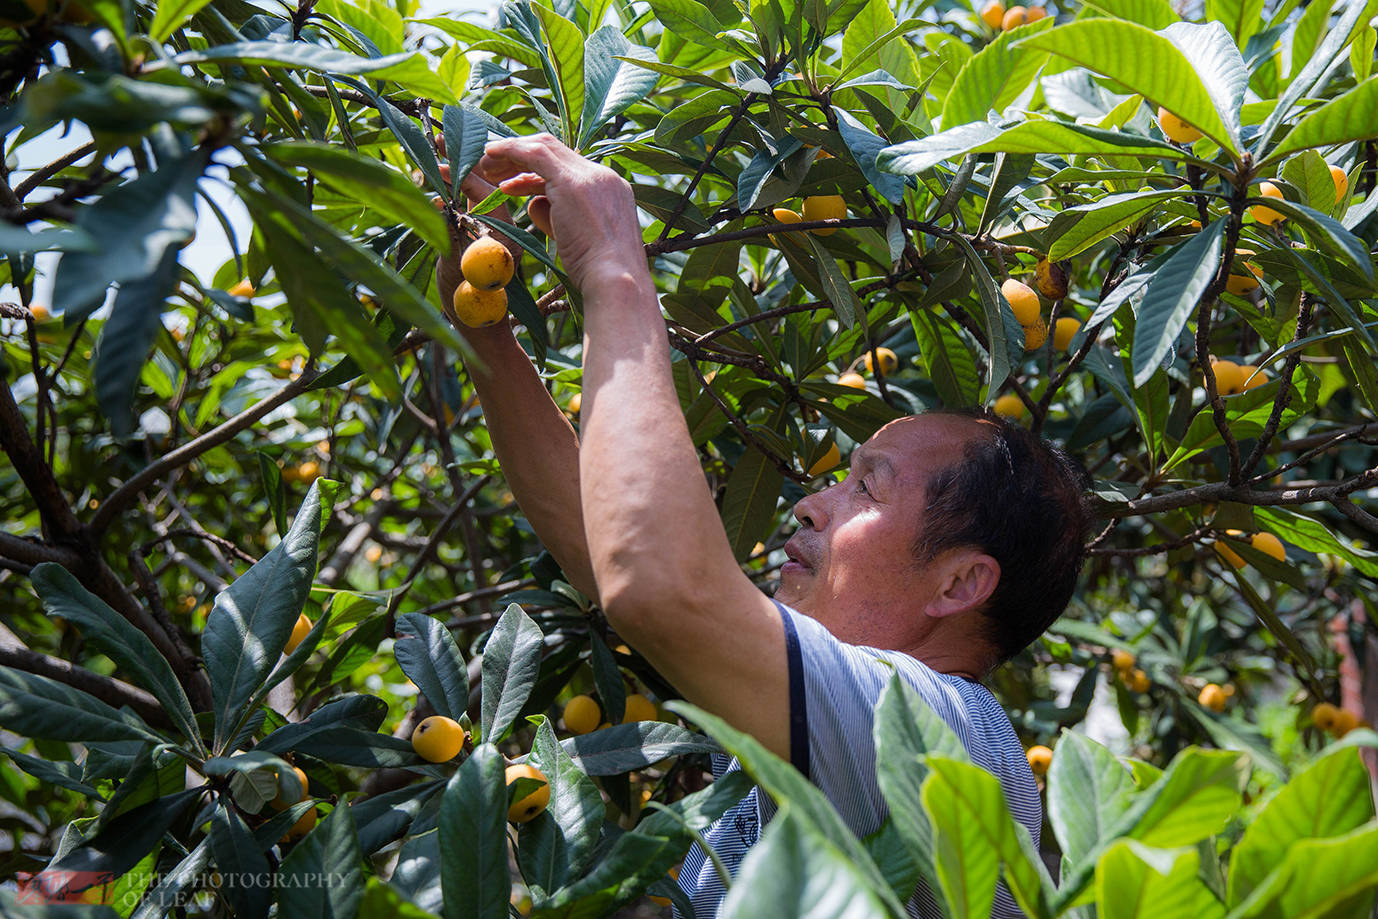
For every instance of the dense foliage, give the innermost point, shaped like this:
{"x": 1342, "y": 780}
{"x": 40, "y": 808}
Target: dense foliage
{"x": 193, "y": 462}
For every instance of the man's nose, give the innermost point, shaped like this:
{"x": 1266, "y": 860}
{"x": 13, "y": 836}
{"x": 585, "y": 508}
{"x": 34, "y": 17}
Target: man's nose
{"x": 811, "y": 511}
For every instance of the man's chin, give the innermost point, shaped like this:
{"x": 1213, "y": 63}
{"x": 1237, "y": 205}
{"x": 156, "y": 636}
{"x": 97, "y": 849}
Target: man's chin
{"x": 794, "y": 588}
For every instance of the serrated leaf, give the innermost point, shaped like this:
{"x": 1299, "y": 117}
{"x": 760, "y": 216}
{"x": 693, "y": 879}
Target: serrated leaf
{"x": 748, "y": 508}
{"x": 1171, "y": 296}
{"x": 612, "y": 83}
{"x": 1160, "y": 68}
{"x": 914, "y": 156}
{"x": 1076, "y": 229}
{"x": 126, "y": 645}
{"x": 511, "y": 663}
{"x": 473, "y": 839}
{"x": 995, "y": 76}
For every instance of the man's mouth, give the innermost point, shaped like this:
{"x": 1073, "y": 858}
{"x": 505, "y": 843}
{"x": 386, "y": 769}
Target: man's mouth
{"x": 797, "y": 561}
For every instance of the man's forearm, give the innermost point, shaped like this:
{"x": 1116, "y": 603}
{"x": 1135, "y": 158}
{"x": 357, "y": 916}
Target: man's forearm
{"x": 656, "y": 530}
{"x": 536, "y": 447}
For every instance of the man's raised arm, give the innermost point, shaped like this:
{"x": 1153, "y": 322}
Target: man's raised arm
{"x": 534, "y": 442}
{"x": 664, "y": 569}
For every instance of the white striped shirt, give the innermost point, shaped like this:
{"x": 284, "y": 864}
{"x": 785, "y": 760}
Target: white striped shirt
{"x": 834, "y": 688}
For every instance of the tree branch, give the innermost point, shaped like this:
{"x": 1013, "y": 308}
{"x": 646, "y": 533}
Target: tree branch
{"x": 124, "y": 496}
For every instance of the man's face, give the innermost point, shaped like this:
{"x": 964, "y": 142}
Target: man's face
{"x": 851, "y": 564}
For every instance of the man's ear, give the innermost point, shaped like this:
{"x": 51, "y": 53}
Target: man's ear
{"x": 967, "y": 580}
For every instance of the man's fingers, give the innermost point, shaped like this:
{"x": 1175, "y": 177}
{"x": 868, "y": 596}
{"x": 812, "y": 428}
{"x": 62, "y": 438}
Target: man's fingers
{"x": 541, "y": 154}
{"x": 524, "y": 184}
{"x": 538, "y": 209}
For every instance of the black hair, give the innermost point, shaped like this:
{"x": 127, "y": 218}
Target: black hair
{"x": 1020, "y": 500}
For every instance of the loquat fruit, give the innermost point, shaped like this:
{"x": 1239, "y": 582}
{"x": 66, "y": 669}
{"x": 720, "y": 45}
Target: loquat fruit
{"x": 305, "y": 823}
{"x": 530, "y": 806}
{"x": 852, "y": 379}
{"x": 1229, "y": 554}
{"x": 1269, "y": 544}
{"x": 993, "y": 14}
{"x": 1253, "y": 376}
{"x": 1049, "y": 276}
{"x": 241, "y": 289}
{"x": 299, "y": 631}
{"x": 1264, "y": 214}
{"x": 438, "y": 739}
{"x": 40, "y": 312}
{"x": 1035, "y": 335}
{"x": 824, "y": 207}
{"x": 639, "y": 708}
{"x": 1022, "y": 300}
{"x": 1008, "y": 406}
{"x": 1040, "y": 758}
{"x": 1345, "y": 721}
{"x": 1175, "y": 129}
{"x": 888, "y": 361}
{"x": 1122, "y": 660}
{"x": 477, "y": 308}
{"x": 285, "y": 800}
{"x": 487, "y": 264}
{"x": 1325, "y": 716}
{"x": 828, "y": 460}
{"x": 1229, "y": 378}
{"x": 1015, "y": 17}
{"x": 1035, "y": 13}
{"x": 1064, "y": 331}
{"x": 1341, "y": 182}
{"x": 1138, "y": 681}
{"x": 582, "y": 714}
{"x": 576, "y": 402}
{"x": 1212, "y": 697}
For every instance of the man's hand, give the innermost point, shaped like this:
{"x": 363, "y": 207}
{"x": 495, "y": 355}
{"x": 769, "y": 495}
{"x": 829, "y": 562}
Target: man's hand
{"x": 475, "y": 187}
{"x": 586, "y": 208}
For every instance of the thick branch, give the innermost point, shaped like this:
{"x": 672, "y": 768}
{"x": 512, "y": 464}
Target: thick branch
{"x": 1242, "y": 494}
{"x": 110, "y": 691}
{"x": 124, "y": 496}
{"x": 58, "y": 520}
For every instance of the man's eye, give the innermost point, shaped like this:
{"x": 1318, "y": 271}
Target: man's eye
{"x": 861, "y": 484}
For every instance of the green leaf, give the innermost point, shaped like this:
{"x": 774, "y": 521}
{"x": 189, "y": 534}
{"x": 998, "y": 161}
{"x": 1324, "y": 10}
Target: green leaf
{"x": 627, "y": 747}
{"x": 566, "y": 54}
{"x": 1327, "y": 233}
{"x": 612, "y": 83}
{"x": 429, "y": 656}
{"x": 1136, "y": 882}
{"x": 1242, "y": 17}
{"x": 835, "y": 285}
{"x": 287, "y": 54}
{"x": 995, "y": 76}
{"x": 356, "y": 711}
{"x": 349, "y": 259}
{"x": 914, "y": 156}
{"x": 475, "y": 37}
{"x": 1310, "y": 534}
{"x": 1361, "y": 53}
{"x": 1076, "y": 229}
{"x": 975, "y": 836}
{"x": 409, "y": 134}
{"x": 865, "y": 145}
{"x": 906, "y": 731}
{"x": 385, "y": 817}
{"x": 690, "y": 20}
{"x": 1320, "y": 878}
{"x": 1155, "y": 14}
{"x": 116, "y": 638}
{"x": 1310, "y": 174}
{"x": 376, "y": 20}
{"x": 558, "y": 844}
{"x": 62, "y": 773}
{"x": 1003, "y": 333}
{"x": 1163, "y": 67}
{"x": 1089, "y": 790}
{"x": 126, "y": 839}
{"x": 784, "y": 783}
{"x": 237, "y": 854}
{"x": 511, "y": 663}
{"x": 473, "y": 838}
{"x": 1327, "y": 799}
{"x": 133, "y": 226}
{"x": 35, "y": 706}
{"x": 466, "y": 133}
{"x": 635, "y": 861}
{"x": 168, "y": 893}
{"x": 251, "y": 620}
{"x": 947, "y": 360}
{"x": 793, "y": 870}
{"x": 170, "y": 16}
{"x": 331, "y": 850}
{"x": 748, "y": 507}
{"x": 125, "y": 339}
{"x": 1171, "y": 296}
{"x": 369, "y": 182}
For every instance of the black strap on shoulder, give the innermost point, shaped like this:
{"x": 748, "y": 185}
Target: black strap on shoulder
{"x": 798, "y": 701}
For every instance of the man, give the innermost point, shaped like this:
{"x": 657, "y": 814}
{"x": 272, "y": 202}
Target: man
{"x": 954, "y": 541}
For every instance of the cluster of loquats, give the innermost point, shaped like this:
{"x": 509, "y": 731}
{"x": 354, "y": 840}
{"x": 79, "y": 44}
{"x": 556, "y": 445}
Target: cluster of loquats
{"x": 1231, "y": 379}
{"x": 1266, "y": 543}
{"x": 997, "y": 17}
{"x": 1215, "y": 697}
{"x": 1125, "y": 666}
{"x": 1335, "y": 721}
{"x": 439, "y": 739}
{"x": 815, "y": 207}
{"x": 583, "y": 715}
{"x": 480, "y": 299}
